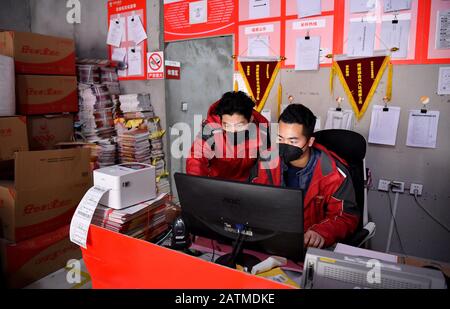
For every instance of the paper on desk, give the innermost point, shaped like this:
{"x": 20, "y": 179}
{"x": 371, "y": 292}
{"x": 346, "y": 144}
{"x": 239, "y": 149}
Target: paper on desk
{"x": 396, "y": 35}
{"x": 396, "y": 5}
{"x": 384, "y": 125}
{"x": 136, "y": 31}
{"x": 422, "y": 129}
{"x": 360, "y": 6}
{"x": 361, "y": 38}
{"x": 339, "y": 119}
{"x": 134, "y": 61}
{"x": 116, "y": 31}
{"x": 121, "y": 213}
{"x": 307, "y": 53}
{"x": 269, "y": 263}
{"x": 354, "y": 251}
{"x": 258, "y": 46}
{"x": 81, "y": 220}
{"x": 309, "y": 8}
{"x": 258, "y": 9}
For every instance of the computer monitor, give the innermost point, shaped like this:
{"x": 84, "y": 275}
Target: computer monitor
{"x": 262, "y": 218}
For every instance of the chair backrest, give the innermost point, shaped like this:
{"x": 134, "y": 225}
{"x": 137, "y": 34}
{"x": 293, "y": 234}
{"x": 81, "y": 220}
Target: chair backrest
{"x": 351, "y": 147}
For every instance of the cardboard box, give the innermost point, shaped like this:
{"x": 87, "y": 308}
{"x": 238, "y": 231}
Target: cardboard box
{"x": 39, "y": 54}
{"x": 28, "y": 261}
{"x": 40, "y": 94}
{"x": 47, "y": 188}
{"x": 44, "y": 132}
{"x": 13, "y": 136}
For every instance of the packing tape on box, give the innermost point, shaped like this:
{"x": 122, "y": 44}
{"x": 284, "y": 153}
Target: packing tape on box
{"x": 7, "y": 87}
{"x": 81, "y": 220}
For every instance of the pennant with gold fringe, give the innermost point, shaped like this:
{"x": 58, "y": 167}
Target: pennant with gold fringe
{"x": 360, "y": 78}
{"x": 279, "y": 99}
{"x": 259, "y": 77}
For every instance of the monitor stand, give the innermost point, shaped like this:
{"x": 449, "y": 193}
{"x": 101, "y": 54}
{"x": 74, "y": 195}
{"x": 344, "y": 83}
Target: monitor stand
{"x": 238, "y": 257}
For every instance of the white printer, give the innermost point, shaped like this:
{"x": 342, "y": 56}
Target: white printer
{"x": 128, "y": 184}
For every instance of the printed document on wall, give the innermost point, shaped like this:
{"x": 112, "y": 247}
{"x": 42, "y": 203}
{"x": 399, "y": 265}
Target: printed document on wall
{"x": 384, "y": 125}
{"x": 422, "y": 129}
{"x": 339, "y": 119}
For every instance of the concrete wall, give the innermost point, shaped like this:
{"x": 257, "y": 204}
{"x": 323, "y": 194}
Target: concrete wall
{"x": 15, "y": 15}
{"x": 206, "y": 73}
{"x": 420, "y": 235}
{"x": 49, "y": 17}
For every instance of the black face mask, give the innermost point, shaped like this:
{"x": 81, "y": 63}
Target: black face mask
{"x": 289, "y": 153}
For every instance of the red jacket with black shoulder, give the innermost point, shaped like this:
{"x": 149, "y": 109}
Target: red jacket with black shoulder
{"x": 213, "y": 154}
{"x": 330, "y": 207}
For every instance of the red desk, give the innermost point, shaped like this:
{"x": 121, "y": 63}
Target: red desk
{"x": 118, "y": 261}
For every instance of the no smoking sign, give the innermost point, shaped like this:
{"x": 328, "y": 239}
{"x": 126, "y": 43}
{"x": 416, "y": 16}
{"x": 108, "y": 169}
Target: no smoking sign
{"x": 155, "y": 65}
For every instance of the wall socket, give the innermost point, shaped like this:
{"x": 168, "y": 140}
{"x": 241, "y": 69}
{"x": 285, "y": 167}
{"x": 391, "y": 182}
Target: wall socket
{"x": 383, "y": 185}
{"x": 398, "y": 186}
{"x": 414, "y": 187}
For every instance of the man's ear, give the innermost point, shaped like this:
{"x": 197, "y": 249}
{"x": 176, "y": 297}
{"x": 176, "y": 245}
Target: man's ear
{"x": 311, "y": 141}
{"x": 251, "y": 118}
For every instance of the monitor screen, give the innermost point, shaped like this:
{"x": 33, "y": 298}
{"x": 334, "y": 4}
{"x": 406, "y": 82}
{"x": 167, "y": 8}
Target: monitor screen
{"x": 270, "y": 218}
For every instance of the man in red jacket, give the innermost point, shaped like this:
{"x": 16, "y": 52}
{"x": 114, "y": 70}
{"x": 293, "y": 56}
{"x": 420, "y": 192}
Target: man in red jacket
{"x": 231, "y": 137}
{"x": 330, "y": 210}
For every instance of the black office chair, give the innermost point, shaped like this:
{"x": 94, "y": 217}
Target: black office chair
{"x": 351, "y": 147}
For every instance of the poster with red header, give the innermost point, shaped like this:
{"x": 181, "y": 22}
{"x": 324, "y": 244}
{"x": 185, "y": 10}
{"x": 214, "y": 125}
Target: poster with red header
{"x": 132, "y": 15}
{"x": 438, "y": 37}
{"x": 189, "y": 19}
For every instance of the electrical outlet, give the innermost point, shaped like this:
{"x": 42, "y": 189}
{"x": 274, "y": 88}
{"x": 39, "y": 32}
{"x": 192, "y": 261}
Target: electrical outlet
{"x": 414, "y": 187}
{"x": 398, "y": 186}
{"x": 383, "y": 185}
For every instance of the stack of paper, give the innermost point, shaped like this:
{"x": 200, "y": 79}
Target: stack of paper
{"x": 110, "y": 79}
{"x": 163, "y": 186}
{"x": 134, "y": 146}
{"x": 95, "y": 116}
{"x": 156, "y": 135}
{"x": 88, "y": 74}
{"x": 131, "y": 103}
{"x": 146, "y": 220}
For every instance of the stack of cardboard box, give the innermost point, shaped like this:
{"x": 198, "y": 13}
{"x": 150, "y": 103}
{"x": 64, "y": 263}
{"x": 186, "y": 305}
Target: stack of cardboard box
{"x": 45, "y": 84}
{"x": 39, "y": 190}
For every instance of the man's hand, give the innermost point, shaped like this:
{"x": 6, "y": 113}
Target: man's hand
{"x": 313, "y": 239}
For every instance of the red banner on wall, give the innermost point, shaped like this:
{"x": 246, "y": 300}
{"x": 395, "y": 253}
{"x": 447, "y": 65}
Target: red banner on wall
{"x": 188, "y": 19}
{"x": 360, "y": 78}
{"x": 259, "y": 77}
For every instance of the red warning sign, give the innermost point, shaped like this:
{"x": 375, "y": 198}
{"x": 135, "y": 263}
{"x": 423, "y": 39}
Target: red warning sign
{"x": 155, "y": 65}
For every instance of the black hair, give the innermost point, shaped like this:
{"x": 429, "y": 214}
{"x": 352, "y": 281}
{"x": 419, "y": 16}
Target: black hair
{"x": 300, "y": 114}
{"x": 235, "y": 102}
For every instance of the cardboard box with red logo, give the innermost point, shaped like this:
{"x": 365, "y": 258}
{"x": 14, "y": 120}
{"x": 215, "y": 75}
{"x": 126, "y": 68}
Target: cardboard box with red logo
{"x": 44, "y": 132}
{"x": 47, "y": 187}
{"x": 13, "y": 136}
{"x": 30, "y": 260}
{"x": 39, "y": 54}
{"x": 40, "y": 94}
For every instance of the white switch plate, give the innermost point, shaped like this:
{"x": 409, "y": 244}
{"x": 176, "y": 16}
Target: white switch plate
{"x": 383, "y": 185}
{"x": 416, "y": 186}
